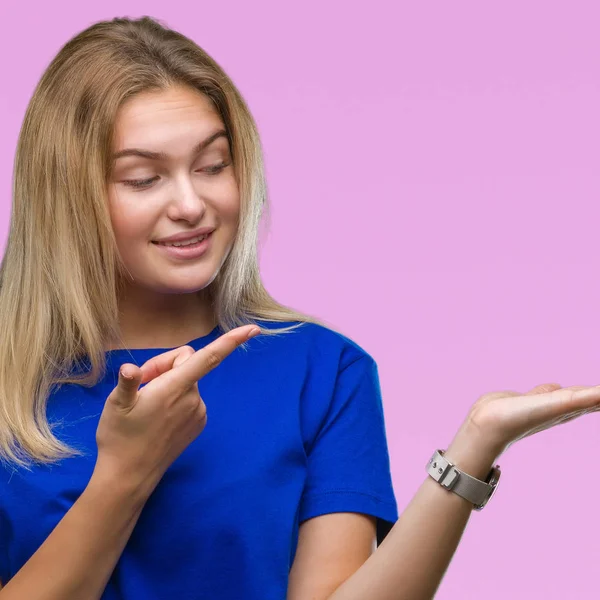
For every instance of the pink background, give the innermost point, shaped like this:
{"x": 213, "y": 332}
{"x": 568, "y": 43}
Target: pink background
{"x": 433, "y": 172}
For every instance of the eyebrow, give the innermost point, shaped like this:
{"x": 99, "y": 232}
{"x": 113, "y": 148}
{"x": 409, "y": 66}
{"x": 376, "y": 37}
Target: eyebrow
{"x": 164, "y": 157}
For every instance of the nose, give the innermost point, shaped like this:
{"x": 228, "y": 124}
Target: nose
{"x": 187, "y": 203}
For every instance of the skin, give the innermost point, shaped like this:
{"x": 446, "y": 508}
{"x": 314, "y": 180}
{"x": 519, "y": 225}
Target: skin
{"x": 164, "y": 304}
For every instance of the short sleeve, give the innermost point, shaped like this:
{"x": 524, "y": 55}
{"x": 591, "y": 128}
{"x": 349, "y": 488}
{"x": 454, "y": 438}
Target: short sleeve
{"x": 348, "y": 461}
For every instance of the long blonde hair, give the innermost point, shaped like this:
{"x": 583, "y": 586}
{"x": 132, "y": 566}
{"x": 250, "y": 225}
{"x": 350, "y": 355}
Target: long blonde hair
{"x": 61, "y": 272}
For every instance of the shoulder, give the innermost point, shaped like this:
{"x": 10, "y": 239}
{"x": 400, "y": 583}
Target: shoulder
{"x": 315, "y": 341}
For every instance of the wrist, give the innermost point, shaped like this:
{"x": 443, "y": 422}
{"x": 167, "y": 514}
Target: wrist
{"x": 126, "y": 489}
{"x": 472, "y": 451}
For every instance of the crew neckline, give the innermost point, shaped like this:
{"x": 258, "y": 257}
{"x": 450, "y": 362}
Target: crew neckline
{"x": 121, "y": 355}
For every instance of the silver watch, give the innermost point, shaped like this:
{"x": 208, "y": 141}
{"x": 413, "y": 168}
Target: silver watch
{"x": 478, "y": 492}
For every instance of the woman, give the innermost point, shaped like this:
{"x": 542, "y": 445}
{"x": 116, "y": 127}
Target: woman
{"x": 138, "y": 193}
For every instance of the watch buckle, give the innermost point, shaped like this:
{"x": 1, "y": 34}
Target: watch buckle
{"x": 449, "y": 478}
{"x": 442, "y": 470}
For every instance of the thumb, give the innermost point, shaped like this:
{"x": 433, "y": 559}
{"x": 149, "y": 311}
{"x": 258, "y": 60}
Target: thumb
{"x": 543, "y": 388}
{"x": 125, "y": 393}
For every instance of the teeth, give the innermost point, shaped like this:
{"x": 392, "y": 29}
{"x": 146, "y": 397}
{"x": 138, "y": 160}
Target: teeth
{"x": 186, "y": 243}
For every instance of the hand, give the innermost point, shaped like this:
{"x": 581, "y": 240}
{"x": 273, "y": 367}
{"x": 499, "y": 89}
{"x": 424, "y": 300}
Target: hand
{"x": 141, "y": 432}
{"x": 508, "y": 416}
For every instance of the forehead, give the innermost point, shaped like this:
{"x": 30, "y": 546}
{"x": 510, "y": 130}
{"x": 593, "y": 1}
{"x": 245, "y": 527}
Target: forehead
{"x": 173, "y": 109}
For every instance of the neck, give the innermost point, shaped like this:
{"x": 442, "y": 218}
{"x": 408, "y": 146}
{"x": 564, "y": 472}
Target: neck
{"x": 148, "y": 320}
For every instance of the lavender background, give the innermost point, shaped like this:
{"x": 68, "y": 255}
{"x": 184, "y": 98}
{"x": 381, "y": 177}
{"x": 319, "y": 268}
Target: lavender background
{"x": 433, "y": 172}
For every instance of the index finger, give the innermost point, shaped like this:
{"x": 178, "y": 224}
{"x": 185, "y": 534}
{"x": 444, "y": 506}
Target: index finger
{"x": 161, "y": 363}
{"x": 209, "y": 357}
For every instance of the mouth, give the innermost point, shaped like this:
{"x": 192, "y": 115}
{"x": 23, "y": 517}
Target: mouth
{"x": 192, "y": 242}
{"x": 191, "y": 249}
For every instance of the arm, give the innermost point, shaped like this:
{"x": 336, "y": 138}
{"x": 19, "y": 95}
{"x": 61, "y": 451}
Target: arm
{"x": 331, "y": 547}
{"x": 78, "y": 557}
{"x": 413, "y": 558}
{"x": 139, "y": 435}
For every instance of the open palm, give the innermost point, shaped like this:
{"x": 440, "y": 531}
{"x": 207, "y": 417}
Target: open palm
{"x": 510, "y": 416}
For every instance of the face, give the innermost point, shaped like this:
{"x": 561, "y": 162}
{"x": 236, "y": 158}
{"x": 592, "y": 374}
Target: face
{"x": 189, "y": 184}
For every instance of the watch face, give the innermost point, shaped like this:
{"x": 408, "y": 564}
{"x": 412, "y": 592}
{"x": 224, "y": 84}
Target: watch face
{"x": 494, "y": 477}
{"x": 493, "y": 481}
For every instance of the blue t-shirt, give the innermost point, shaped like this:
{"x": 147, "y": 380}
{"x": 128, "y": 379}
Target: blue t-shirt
{"x": 295, "y": 430}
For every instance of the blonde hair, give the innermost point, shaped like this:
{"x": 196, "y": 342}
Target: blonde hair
{"x": 61, "y": 272}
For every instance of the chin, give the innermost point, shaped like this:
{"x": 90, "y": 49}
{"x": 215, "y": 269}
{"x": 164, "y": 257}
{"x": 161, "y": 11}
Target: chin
{"x": 179, "y": 285}
{"x": 187, "y": 288}
{"x": 190, "y": 285}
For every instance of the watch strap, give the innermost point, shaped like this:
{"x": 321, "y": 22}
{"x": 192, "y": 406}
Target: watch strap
{"x": 470, "y": 488}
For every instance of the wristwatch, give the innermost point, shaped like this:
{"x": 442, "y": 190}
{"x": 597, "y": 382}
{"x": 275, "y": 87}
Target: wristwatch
{"x": 478, "y": 492}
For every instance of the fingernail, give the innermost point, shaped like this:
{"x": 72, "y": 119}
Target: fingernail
{"x": 253, "y": 332}
{"x": 128, "y": 377}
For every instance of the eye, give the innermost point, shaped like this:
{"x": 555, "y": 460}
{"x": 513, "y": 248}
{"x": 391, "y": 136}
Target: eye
{"x": 144, "y": 183}
{"x": 213, "y": 170}
{"x": 140, "y": 183}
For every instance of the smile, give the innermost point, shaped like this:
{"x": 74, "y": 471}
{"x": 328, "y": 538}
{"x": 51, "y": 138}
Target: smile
{"x": 188, "y": 249}
{"x": 189, "y": 242}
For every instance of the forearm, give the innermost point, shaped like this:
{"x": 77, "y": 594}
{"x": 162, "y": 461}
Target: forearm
{"x": 413, "y": 558}
{"x": 79, "y": 556}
